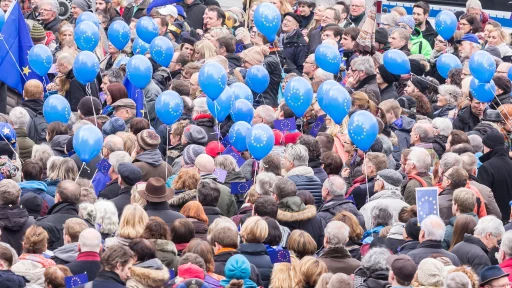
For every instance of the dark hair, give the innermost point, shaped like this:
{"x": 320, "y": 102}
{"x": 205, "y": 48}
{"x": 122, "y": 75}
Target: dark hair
{"x": 274, "y": 235}
{"x": 336, "y": 30}
{"x": 311, "y": 144}
{"x": 163, "y": 21}
{"x": 182, "y": 231}
{"x": 333, "y": 164}
{"x": 287, "y": 112}
{"x": 424, "y": 6}
{"x": 182, "y": 59}
{"x": 138, "y": 124}
{"x": 306, "y": 197}
{"x": 272, "y": 163}
{"x": 225, "y": 236}
{"x": 228, "y": 42}
{"x": 208, "y": 193}
{"x": 117, "y": 91}
{"x": 56, "y": 128}
{"x": 407, "y": 213}
{"x": 309, "y": 3}
{"x": 476, "y": 26}
{"x": 352, "y": 32}
{"x": 458, "y": 137}
{"x": 194, "y": 259}
{"x": 156, "y": 228}
{"x": 337, "y": 15}
{"x": 188, "y": 105}
{"x": 465, "y": 224}
{"x": 455, "y": 76}
{"x": 220, "y": 13}
{"x": 32, "y": 170}
{"x": 181, "y": 87}
{"x": 284, "y": 188}
{"x": 114, "y": 255}
{"x": 458, "y": 177}
{"x": 265, "y": 206}
{"x": 6, "y": 255}
{"x": 462, "y": 148}
{"x": 143, "y": 249}
{"x": 422, "y": 104}
{"x": 327, "y": 142}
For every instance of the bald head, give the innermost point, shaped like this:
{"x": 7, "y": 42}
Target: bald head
{"x": 205, "y": 163}
{"x": 89, "y": 240}
{"x": 68, "y": 191}
{"x": 264, "y": 114}
{"x": 113, "y": 143}
{"x": 33, "y": 89}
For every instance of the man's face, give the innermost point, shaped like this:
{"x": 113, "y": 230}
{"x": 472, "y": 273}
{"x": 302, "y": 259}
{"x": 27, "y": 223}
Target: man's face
{"x": 62, "y": 68}
{"x": 211, "y": 20}
{"x": 330, "y": 35}
{"x": 161, "y": 30}
{"x": 356, "y": 8}
{"x": 409, "y": 167}
{"x": 4, "y": 5}
{"x": 475, "y": 12}
{"x": 174, "y": 66}
{"x": 124, "y": 272}
{"x": 256, "y": 119}
{"x": 46, "y": 13}
{"x": 289, "y": 24}
{"x": 194, "y": 84}
{"x": 347, "y": 43}
{"x": 309, "y": 66}
{"x": 188, "y": 49}
{"x": 465, "y": 49}
{"x": 304, "y": 10}
{"x": 35, "y": 3}
{"x": 418, "y": 16}
{"x": 414, "y": 136}
{"x": 501, "y": 282}
{"x": 395, "y": 42}
{"x": 122, "y": 113}
{"x": 100, "y": 5}
{"x": 327, "y": 17}
{"x": 478, "y": 108}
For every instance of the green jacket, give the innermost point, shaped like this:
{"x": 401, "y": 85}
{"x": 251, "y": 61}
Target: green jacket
{"x": 419, "y": 45}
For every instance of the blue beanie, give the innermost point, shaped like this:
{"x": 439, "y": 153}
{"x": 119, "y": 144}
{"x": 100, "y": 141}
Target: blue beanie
{"x": 112, "y": 126}
{"x": 237, "y": 267}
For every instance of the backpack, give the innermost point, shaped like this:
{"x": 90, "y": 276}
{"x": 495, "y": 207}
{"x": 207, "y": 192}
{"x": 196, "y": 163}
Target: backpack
{"x": 37, "y": 126}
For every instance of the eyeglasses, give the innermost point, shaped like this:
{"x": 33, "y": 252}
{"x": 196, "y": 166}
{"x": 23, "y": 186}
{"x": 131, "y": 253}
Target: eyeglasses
{"x": 441, "y": 41}
{"x": 507, "y": 285}
{"x": 446, "y": 176}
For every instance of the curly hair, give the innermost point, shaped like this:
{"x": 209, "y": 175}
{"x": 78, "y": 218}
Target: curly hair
{"x": 156, "y": 228}
{"x": 423, "y": 106}
{"x": 187, "y": 179}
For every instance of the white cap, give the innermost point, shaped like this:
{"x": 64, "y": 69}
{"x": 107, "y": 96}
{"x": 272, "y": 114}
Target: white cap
{"x": 169, "y": 10}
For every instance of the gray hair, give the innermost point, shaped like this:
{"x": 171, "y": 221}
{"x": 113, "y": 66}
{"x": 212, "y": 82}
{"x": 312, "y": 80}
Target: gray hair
{"x": 390, "y": 19}
{"x": 324, "y": 75}
{"x": 433, "y": 227}
{"x": 66, "y": 59}
{"x": 118, "y": 157}
{"x": 402, "y": 33}
{"x": 226, "y": 162}
{"x": 19, "y": 117}
{"x": 473, "y": 4}
{"x": 52, "y": 166}
{"x": 200, "y": 105}
{"x": 267, "y": 113}
{"x": 107, "y": 220}
{"x": 54, "y": 5}
{"x": 336, "y": 233}
{"x": 298, "y": 154}
{"x": 506, "y": 244}
{"x": 10, "y": 192}
{"x": 115, "y": 75}
{"x": 375, "y": 260}
{"x": 381, "y": 215}
{"x": 41, "y": 153}
{"x": 66, "y": 170}
{"x": 378, "y": 58}
{"x": 335, "y": 185}
{"x": 425, "y": 131}
{"x": 449, "y": 160}
{"x": 469, "y": 162}
{"x": 476, "y": 143}
{"x": 443, "y": 124}
{"x": 80, "y": 123}
{"x": 457, "y": 280}
{"x": 489, "y": 224}
{"x": 451, "y": 92}
{"x": 363, "y": 63}
{"x": 87, "y": 211}
{"x": 114, "y": 143}
{"x": 265, "y": 182}
{"x": 421, "y": 159}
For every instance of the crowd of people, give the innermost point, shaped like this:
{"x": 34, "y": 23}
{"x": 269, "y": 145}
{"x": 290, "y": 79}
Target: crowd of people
{"x": 317, "y": 211}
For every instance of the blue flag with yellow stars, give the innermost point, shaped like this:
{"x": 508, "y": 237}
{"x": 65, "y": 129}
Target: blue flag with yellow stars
{"x": 427, "y": 202}
{"x": 240, "y": 187}
{"x": 235, "y": 154}
{"x": 15, "y": 42}
{"x": 136, "y": 95}
{"x": 103, "y": 166}
{"x": 279, "y": 255}
{"x": 283, "y": 125}
{"x": 317, "y": 125}
{"x": 77, "y": 280}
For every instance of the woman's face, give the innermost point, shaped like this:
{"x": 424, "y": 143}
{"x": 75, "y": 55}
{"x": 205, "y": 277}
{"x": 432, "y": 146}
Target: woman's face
{"x": 197, "y": 55}
{"x": 319, "y": 12}
{"x": 494, "y": 38}
{"x": 464, "y": 26}
{"x": 487, "y": 31}
{"x": 410, "y": 88}
{"x": 108, "y": 98}
{"x": 66, "y": 35}
{"x": 277, "y": 3}
{"x": 115, "y": 3}
{"x": 76, "y": 11}
{"x": 251, "y": 14}
{"x": 441, "y": 100}
{"x": 112, "y": 49}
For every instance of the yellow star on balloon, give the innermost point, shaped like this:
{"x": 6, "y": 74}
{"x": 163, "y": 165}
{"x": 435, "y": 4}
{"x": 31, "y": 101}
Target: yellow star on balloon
{"x": 142, "y": 111}
{"x": 26, "y": 70}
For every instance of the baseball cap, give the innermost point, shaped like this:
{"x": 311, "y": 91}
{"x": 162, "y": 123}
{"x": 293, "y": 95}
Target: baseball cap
{"x": 402, "y": 266}
{"x": 181, "y": 11}
{"x": 169, "y": 10}
{"x": 468, "y": 37}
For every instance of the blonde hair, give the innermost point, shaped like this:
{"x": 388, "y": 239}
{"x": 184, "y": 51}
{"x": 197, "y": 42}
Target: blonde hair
{"x": 73, "y": 227}
{"x": 285, "y": 7}
{"x": 309, "y": 271}
{"x": 254, "y": 230}
{"x": 66, "y": 170}
{"x": 133, "y": 220}
{"x": 502, "y": 34}
{"x": 135, "y": 198}
{"x": 35, "y": 240}
{"x": 283, "y": 274}
{"x": 130, "y": 142}
{"x": 206, "y": 49}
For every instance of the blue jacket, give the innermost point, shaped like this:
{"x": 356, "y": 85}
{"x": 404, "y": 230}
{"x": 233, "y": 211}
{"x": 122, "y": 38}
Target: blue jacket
{"x": 39, "y": 188}
{"x": 305, "y": 179}
{"x": 51, "y": 186}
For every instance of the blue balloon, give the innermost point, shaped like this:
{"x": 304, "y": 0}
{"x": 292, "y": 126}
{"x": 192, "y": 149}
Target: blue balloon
{"x": 40, "y": 59}
{"x": 328, "y": 58}
{"x": 242, "y": 111}
{"x": 324, "y": 89}
{"x": 87, "y": 142}
{"x": 2, "y": 19}
{"x": 267, "y": 20}
{"x": 257, "y": 78}
{"x": 221, "y": 107}
{"x": 237, "y": 135}
{"x": 446, "y": 24}
{"x": 482, "y": 66}
{"x": 260, "y": 141}
{"x": 87, "y": 36}
{"x": 397, "y": 62}
{"x": 88, "y": 16}
{"x": 483, "y": 92}
{"x": 363, "y": 129}
{"x": 86, "y": 67}
{"x": 336, "y": 103}
{"x": 168, "y": 107}
{"x": 119, "y": 34}
{"x": 510, "y": 74}
{"x": 298, "y": 95}
{"x": 140, "y": 47}
{"x": 241, "y": 91}
{"x": 161, "y": 50}
{"x": 447, "y": 62}
{"x": 139, "y": 71}
{"x": 146, "y": 29}
{"x": 123, "y": 61}
{"x": 212, "y": 79}
{"x": 56, "y": 108}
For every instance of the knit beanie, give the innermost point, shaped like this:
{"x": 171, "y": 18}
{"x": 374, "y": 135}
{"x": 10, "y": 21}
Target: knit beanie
{"x": 407, "y": 20}
{"x": 195, "y": 135}
{"x": 37, "y": 33}
{"x": 387, "y": 76}
{"x": 237, "y": 267}
{"x": 503, "y": 83}
{"x": 430, "y": 273}
{"x": 89, "y": 106}
{"x": 191, "y": 152}
{"x": 416, "y": 67}
{"x": 381, "y": 35}
{"x": 32, "y": 203}
{"x": 254, "y": 55}
{"x": 148, "y": 139}
{"x": 84, "y": 5}
{"x": 493, "y": 139}
{"x": 421, "y": 83}
{"x": 392, "y": 179}
{"x": 114, "y": 125}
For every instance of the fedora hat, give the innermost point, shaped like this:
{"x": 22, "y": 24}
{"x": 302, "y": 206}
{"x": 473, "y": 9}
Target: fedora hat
{"x": 156, "y": 191}
{"x": 490, "y": 273}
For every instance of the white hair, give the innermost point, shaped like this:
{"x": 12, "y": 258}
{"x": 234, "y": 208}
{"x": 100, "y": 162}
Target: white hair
{"x": 298, "y": 154}
{"x": 226, "y": 162}
{"x": 41, "y": 153}
{"x": 335, "y": 185}
{"x": 118, "y": 157}
{"x": 476, "y": 143}
{"x": 107, "y": 220}
{"x": 200, "y": 106}
{"x": 336, "y": 233}
{"x": 363, "y": 63}
{"x": 324, "y": 75}
{"x": 264, "y": 182}
{"x": 433, "y": 227}
{"x": 473, "y": 4}
{"x": 421, "y": 159}
{"x": 451, "y": 92}
{"x": 506, "y": 244}
{"x": 53, "y": 165}
{"x": 450, "y": 160}
{"x": 443, "y": 124}
{"x": 90, "y": 240}
{"x": 19, "y": 117}
{"x": 489, "y": 224}
{"x": 54, "y": 5}
{"x": 87, "y": 211}
{"x": 375, "y": 260}
{"x": 65, "y": 58}
{"x": 267, "y": 113}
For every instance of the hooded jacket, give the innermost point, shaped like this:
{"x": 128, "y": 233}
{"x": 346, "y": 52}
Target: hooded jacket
{"x": 181, "y": 198}
{"x": 305, "y": 179}
{"x": 166, "y": 252}
{"x": 388, "y": 92}
{"x": 66, "y": 254}
{"x": 151, "y": 164}
{"x": 338, "y": 260}
{"x": 391, "y": 198}
{"x": 443, "y": 111}
{"x": 336, "y": 205}
{"x": 14, "y": 221}
{"x": 365, "y": 279}
{"x": 472, "y": 252}
{"x": 220, "y": 260}
{"x": 148, "y": 274}
{"x": 58, "y": 144}
{"x": 439, "y": 144}
{"x": 402, "y": 129}
{"x": 207, "y": 123}
{"x": 39, "y": 188}
{"x": 32, "y": 269}
{"x": 420, "y": 45}
{"x": 195, "y": 12}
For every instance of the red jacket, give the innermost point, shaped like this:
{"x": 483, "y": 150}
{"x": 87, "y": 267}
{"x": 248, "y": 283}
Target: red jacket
{"x": 507, "y": 267}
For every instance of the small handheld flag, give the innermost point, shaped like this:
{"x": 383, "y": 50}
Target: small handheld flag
{"x": 76, "y": 280}
{"x": 240, "y": 187}
{"x": 220, "y": 174}
{"x": 103, "y": 166}
{"x": 317, "y": 125}
{"x": 235, "y": 154}
{"x": 279, "y": 256}
{"x": 288, "y": 124}
{"x": 427, "y": 202}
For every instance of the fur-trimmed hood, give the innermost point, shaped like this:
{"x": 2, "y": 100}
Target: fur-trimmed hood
{"x": 148, "y": 274}
{"x": 306, "y": 214}
{"x": 183, "y": 198}
{"x": 164, "y": 246}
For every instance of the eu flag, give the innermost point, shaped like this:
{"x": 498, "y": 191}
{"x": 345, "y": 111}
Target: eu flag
{"x": 16, "y": 43}
{"x": 427, "y": 202}
{"x": 220, "y": 174}
{"x": 279, "y": 255}
{"x": 317, "y": 125}
{"x": 103, "y": 166}
{"x": 283, "y": 125}
{"x": 136, "y": 95}
{"x": 235, "y": 154}
{"x": 240, "y": 187}
{"x": 76, "y": 280}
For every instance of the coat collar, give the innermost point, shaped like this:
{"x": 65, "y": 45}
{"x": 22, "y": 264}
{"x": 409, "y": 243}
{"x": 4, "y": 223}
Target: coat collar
{"x": 468, "y": 238}
{"x": 433, "y": 244}
{"x": 370, "y": 79}
{"x": 335, "y": 253}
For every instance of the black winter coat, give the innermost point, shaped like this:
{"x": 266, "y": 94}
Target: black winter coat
{"x": 195, "y": 12}
{"x": 129, "y": 12}
{"x": 212, "y": 213}
{"x": 472, "y": 252}
{"x": 368, "y": 84}
{"x": 10, "y": 280}
{"x": 223, "y": 257}
{"x": 443, "y": 111}
{"x": 388, "y": 92}
{"x": 408, "y": 247}
{"x": 428, "y": 247}
{"x": 86, "y": 173}
{"x": 495, "y": 174}
{"x": 234, "y": 61}
{"x": 57, "y": 216}
{"x": 53, "y": 26}
{"x": 315, "y": 39}
{"x": 162, "y": 210}
{"x": 404, "y": 136}
{"x": 15, "y": 221}
{"x": 77, "y": 91}
{"x": 439, "y": 144}
{"x": 208, "y": 125}
{"x": 257, "y": 255}
{"x": 465, "y": 120}
{"x": 107, "y": 279}
{"x": 122, "y": 199}
{"x": 91, "y": 267}
{"x": 111, "y": 191}
{"x": 269, "y": 97}
{"x": 295, "y": 49}
{"x": 503, "y": 99}
{"x": 363, "y": 191}
{"x": 336, "y": 205}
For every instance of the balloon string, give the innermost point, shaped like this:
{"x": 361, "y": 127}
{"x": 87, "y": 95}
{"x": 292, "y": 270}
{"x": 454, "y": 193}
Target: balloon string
{"x": 12, "y": 56}
{"x": 13, "y": 150}
{"x": 78, "y": 176}
{"x": 366, "y": 176}
{"x": 504, "y": 110}
{"x": 88, "y": 89}
{"x": 218, "y": 125}
{"x": 95, "y": 171}
{"x": 167, "y": 152}
{"x": 145, "y": 106}
{"x": 104, "y": 58}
